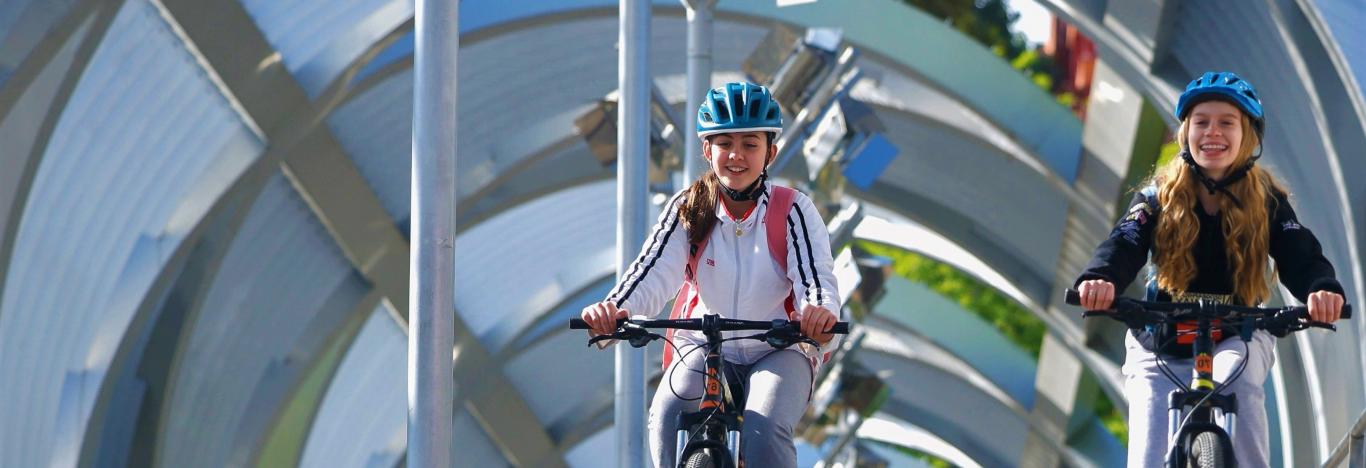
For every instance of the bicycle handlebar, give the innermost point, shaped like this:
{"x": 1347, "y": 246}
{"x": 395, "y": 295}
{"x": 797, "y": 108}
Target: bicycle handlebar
{"x": 1071, "y": 296}
{"x": 723, "y": 324}
{"x": 1279, "y": 321}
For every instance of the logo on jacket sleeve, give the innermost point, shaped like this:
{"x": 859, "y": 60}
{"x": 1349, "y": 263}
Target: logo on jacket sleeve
{"x": 711, "y": 262}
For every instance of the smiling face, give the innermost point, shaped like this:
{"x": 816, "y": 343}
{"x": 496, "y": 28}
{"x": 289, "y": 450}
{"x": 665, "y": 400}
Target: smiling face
{"x": 738, "y": 158}
{"x": 1214, "y": 135}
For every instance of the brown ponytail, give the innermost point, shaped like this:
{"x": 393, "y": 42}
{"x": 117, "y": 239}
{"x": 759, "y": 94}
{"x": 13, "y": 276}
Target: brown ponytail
{"x": 698, "y": 210}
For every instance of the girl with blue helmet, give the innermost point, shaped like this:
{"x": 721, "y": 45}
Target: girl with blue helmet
{"x": 1210, "y": 220}
{"x": 734, "y": 263}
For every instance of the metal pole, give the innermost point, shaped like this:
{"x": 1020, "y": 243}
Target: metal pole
{"x": 431, "y": 326}
{"x": 633, "y": 147}
{"x": 699, "y": 81}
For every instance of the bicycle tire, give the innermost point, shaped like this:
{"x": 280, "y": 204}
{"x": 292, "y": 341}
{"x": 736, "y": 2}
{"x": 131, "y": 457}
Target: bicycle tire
{"x": 1207, "y": 451}
{"x": 701, "y": 459}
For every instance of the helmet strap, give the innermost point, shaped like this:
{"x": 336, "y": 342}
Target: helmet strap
{"x": 749, "y": 193}
{"x": 1222, "y": 184}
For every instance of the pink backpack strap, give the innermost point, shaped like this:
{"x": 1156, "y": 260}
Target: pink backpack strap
{"x": 779, "y": 204}
{"x": 686, "y": 299}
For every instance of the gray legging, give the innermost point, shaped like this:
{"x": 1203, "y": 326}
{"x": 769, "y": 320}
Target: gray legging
{"x": 1147, "y": 390}
{"x": 778, "y": 385}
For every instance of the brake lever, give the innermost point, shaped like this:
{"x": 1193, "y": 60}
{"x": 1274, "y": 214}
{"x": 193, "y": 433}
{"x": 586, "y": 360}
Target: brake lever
{"x": 1324, "y": 325}
{"x": 634, "y": 334}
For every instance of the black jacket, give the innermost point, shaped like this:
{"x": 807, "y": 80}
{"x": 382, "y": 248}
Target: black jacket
{"x": 1300, "y": 264}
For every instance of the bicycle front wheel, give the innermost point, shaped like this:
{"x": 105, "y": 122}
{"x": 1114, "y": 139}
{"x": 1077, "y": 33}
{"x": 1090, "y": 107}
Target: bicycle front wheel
{"x": 1207, "y": 452}
{"x": 701, "y": 459}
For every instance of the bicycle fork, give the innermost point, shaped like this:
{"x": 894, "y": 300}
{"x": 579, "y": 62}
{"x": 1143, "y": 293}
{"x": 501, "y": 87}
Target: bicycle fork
{"x": 1210, "y": 410}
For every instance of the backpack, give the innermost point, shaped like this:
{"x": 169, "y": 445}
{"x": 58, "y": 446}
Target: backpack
{"x": 779, "y": 204}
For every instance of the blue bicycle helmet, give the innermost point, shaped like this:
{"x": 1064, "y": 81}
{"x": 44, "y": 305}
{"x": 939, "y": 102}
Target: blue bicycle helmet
{"x": 739, "y": 107}
{"x": 1224, "y": 86}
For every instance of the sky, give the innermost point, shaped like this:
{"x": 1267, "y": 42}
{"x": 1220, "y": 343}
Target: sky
{"x": 1034, "y": 20}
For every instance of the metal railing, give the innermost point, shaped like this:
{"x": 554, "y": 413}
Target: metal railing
{"x": 1352, "y": 448}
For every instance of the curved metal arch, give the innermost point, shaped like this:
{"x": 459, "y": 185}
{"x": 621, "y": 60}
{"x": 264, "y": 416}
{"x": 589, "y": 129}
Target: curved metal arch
{"x": 1106, "y": 371}
{"x": 93, "y": 19}
{"x": 1054, "y": 141}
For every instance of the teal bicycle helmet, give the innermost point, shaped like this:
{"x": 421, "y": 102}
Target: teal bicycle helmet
{"x": 739, "y": 107}
{"x": 1223, "y": 86}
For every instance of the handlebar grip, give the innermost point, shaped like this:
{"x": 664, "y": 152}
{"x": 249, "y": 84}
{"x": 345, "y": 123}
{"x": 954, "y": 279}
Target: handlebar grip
{"x": 840, "y": 328}
{"x": 1072, "y": 297}
{"x": 579, "y": 324}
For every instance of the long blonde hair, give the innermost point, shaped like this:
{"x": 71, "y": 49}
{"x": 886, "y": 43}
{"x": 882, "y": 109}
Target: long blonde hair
{"x": 1245, "y": 223}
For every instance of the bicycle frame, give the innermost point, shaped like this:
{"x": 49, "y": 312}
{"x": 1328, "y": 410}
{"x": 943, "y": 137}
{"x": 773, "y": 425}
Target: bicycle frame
{"x": 718, "y": 420}
{"x": 716, "y": 411}
{"x": 1210, "y": 412}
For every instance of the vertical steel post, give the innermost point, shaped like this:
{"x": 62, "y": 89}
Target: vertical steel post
{"x": 633, "y": 149}
{"x": 699, "y": 82}
{"x": 431, "y": 325}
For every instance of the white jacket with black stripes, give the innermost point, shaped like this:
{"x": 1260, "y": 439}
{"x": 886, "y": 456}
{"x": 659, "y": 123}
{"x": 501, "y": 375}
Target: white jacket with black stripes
{"x": 737, "y": 276}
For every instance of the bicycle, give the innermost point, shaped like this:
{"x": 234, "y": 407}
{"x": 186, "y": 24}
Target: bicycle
{"x": 710, "y": 436}
{"x": 1204, "y": 437}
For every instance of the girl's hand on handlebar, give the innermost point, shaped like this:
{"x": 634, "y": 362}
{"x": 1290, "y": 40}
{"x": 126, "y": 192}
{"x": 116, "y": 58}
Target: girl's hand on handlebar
{"x": 1096, "y": 294}
{"x": 815, "y": 321}
{"x": 602, "y": 317}
{"x": 1325, "y": 306}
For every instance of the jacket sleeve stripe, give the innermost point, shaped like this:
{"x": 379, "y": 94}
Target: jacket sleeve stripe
{"x": 650, "y": 255}
{"x": 792, "y": 229}
{"x": 810, "y": 254}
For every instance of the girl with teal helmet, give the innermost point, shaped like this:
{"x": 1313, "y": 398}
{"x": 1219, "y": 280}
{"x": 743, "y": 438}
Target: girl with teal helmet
{"x": 1210, "y": 221}
{"x": 723, "y": 216}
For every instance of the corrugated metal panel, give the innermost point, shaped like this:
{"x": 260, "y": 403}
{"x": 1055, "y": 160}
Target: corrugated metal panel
{"x": 594, "y": 450}
{"x": 317, "y": 40}
{"x": 1344, "y": 19}
{"x": 275, "y": 289}
{"x": 512, "y": 108}
{"x": 363, "y": 418}
{"x": 885, "y": 85}
{"x": 975, "y": 341}
{"x": 143, "y": 130}
{"x": 504, "y": 275}
{"x": 953, "y": 62}
{"x": 376, "y": 130}
{"x": 581, "y": 375}
{"x": 947, "y": 168}
{"x": 931, "y": 390}
{"x": 23, "y": 25}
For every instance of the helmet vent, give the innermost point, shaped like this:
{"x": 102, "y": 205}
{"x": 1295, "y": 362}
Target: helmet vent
{"x": 707, "y": 117}
{"x": 721, "y": 110}
{"x": 754, "y": 111}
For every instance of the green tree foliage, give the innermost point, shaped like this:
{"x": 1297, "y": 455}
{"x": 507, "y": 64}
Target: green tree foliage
{"x": 1018, "y": 325}
{"x": 1015, "y": 322}
{"x": 990, "y": 23}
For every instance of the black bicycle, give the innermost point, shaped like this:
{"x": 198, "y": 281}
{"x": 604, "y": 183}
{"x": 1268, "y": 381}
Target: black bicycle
{"x": 1203, "y": 437}
{"x": 710, "y": 436}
